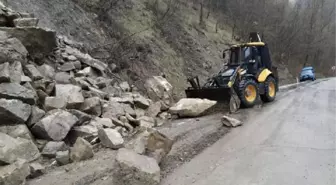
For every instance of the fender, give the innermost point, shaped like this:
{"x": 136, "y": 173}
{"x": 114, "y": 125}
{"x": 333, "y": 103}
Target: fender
{"x": 263, "y": 75}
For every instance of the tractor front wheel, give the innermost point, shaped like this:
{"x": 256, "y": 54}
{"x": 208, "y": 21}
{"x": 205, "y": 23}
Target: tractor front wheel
{"x": 248, "y": 92}
{"x": 270, "y": 90}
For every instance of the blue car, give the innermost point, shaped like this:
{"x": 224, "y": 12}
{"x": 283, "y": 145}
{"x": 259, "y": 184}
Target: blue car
{"x": 307, "y": 73}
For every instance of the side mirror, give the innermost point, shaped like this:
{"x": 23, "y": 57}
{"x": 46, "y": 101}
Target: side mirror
{"x": 224, "y": 55}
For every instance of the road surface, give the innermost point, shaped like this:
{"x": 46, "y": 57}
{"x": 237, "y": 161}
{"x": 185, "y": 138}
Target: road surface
{"x": 290, "y": 142}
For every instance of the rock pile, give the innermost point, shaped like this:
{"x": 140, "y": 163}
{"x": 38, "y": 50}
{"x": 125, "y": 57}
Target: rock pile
{"x": 57, "y": 102}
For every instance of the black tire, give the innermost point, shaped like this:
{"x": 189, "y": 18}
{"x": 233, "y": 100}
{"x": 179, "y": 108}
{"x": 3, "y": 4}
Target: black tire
{"x": 269, "y": 95}
{"x": 243, "y": 94}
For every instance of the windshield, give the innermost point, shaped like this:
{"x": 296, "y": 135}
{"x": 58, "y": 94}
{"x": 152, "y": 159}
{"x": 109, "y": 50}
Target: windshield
{"x": 246, "y": 54}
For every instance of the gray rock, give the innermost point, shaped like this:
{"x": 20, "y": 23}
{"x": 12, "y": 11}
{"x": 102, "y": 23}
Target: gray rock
{"x": 38, "y": 41}
{"x": 14, "y": 174}
{"x": 88, "y": 71}
{"x": 41, "y": 95}
{"x": 71, "y": 93}
{"x": 32, "y": 72}
{"x": 105, "y": 122}
{"x": 132, "y": 120}
{"x": 71, "y": 58}
{"x": 26, "y": 22}
{"x": 231, "y": 122}
{"x": 36, "y": 115}
{"x": 51, "y": 103}
{"x": 110, "y": 138}
{"x": 87, "y": 132}
{"x": 87, "y": 59}
{"x": 50, "y": 88}
{"x": 63, "y": 157}
{"x": 68, "y": 66}
{"x": 101, "y": 82}
{"x": 14, "y": 111}
{"x": 36, "y": 170}
{"x": 165, "y": 115}
{"x": 63, "y": 78}
{"x": 82, "y": 150}
{"x": 133, "y": 168}
{"x": 125, "y": 86}
{"x": 55, "y": 125}
{"x": 15, "y": 131}
{"x": 128, "y": 109}
{"x": 146, "y": 121}
{"x": 4, "y": 72}
{"x": 40, "y": 143}
{"x": 157, "y": 87}
{"x": 113, "y": 109}
{"x": 39, "y": 84}
{"x": 191, "y": 107}
{"x": 12, "y": 149}
{"x": 139, "y": 112}
{"x": 52, "y": 147}
{"x": 25, "y": 79}
{"x": 117, "y": 122}
{"x": 141, "y": 102}
{"x": 16, "y": 91}
{"x": 150, "y": 142}
{"x": 99, "y": 93}
{"x": 77, "y": 64}
{"x": 16, "y": 72}
{"x": 92, "y": 106}
{"x": 12, "y": 50}
{"x": 47, "y": 71}
{"x": 154, "y": 109}
{"x": 81, "y": 116}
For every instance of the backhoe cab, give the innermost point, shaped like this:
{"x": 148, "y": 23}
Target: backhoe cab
{"x": 248, "y": 74}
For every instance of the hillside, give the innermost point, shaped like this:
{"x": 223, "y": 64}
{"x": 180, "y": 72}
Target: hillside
{"x": 141, "y": 38}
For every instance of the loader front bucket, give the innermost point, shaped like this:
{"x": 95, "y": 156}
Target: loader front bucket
{"x": 217, "y": 94}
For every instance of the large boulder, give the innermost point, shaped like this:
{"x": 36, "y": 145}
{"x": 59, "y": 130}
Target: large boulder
{"x": 14, "y": 111}
{"x": 32, "y": 72}
{"x": 47, "y": 71}
{"x": 17, "y": 131}
{"x": 158, "y": 88}
{"x": 87, "y": 132}
{"x": 141, "y": 101}
{"x": 39, "y": 42}
{"x": 154, "y": 109}
{"x": 71, "y": 93}
{"x": 14, "y": 174}
{"x": 51, "y": 103}
{"x": 82, "y": 117}
{"x": 132, "y": 168}
{"x": 55, "y": 125}
{"x": 52, "y": 147}
{"x": 82, "y": 150}
{"x": 12, "y": 149}
{"x": 16, "y": 91}
{"x": 36, "y": 115}
{"x": 150, "y": 142}
{"x": 191, "y": 107}
{"x": 11, "y": 49}
{"x": 110, "y": 138}
{"x": 113, "y": 109}
{"x": 92, "y": 106}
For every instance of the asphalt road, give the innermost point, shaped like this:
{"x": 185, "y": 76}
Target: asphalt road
{"x": 288, "y": 142}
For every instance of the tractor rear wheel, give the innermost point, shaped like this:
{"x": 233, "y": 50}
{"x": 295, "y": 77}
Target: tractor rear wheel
{"x": 270, "y": 90}
{"x": 248, "y": 92}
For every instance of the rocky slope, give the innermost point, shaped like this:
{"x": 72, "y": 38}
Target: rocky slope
{"x": 176, "y": 46}
{"x": 59, "y": 105}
